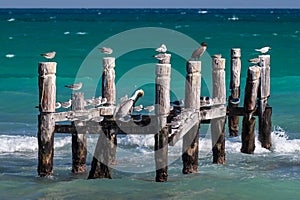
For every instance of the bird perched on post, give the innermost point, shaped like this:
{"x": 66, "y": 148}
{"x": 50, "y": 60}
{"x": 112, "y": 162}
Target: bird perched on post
{"x": 106, "y": 50}
{"x": 75, "y": 86}
{"x": 125, "y": 108}
{"x": 263, "y": 50}
{"x": 49, "y": 55}
{"x": 67, "y": 104}
{"x": 199, "y": 52}
{"x": 162, "y": 48}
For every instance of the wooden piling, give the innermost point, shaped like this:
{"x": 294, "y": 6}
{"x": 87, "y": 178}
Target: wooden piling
{"x": 218, "y": 124}
{"x": 79, "y": 146}
{"x": 265, "y": 125}
{"x": 162, "y": 109}
{"x": 107, "y": 142}
{"x": 108, "y": 80}
{"x": 234, "y": 98}
{"x": 46, "y": 122}
{"x": 192, "y": 101}
{"x": 251, "y": 90}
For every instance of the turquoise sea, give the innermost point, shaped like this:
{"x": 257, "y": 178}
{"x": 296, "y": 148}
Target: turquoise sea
{"x": 75, "y": 34}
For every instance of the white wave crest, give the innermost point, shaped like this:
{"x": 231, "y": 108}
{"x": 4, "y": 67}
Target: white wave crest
{"x": 12, "y": 144}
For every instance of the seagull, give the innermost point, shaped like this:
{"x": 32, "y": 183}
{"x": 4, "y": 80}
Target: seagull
{"x": 254, "y": 60}
{"x": 49, "y": 55}
{"x": 75, "y": 86}
{"x": 125, "y": 108}
{"x": 67, "y": 104}
{"x": 149, "y": 108}
{"x": 162, "y": 48}
{"x": 103, "y": 100}
{"x": 106, "y": 50}
{"x": 57, "y": 105}
{"x": 199, "y": 52}
{"x": 89, "y": 102}
{"x": 263, "y": 50}
{"x": 138, "y": 108}
{"x": 160, "y": 56}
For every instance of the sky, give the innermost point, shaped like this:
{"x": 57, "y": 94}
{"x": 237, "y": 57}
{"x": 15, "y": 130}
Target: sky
{"x": 149, "y": 3}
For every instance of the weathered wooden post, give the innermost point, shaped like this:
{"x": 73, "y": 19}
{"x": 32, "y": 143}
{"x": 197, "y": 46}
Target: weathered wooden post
{"x": 248, "y": 137}
{"x": 265, "y": 124}
{"x": 218, "y": 124}
{"x": 105, "y": 152}
{"x": 192, "y": 101}
{"x": 234, "y": 98}
{"x": 162, "y": 109}
{"x": 46, "y": 122}
{"x": 79, "y": 150}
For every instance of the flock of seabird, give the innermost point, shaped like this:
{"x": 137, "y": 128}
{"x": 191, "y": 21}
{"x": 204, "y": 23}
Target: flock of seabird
{"x": 124, "y": 110}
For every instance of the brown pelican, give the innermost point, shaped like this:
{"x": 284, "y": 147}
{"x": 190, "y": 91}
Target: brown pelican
{"x": 75, "y": 86}
{"x": 199, "y": 52}
{"x": 124, "y": 108}
{"x": 263, "y": 50}
{"x": 49, "y": 55}
{"x": 162, "y": 48}
{"x": 106, "y": 50}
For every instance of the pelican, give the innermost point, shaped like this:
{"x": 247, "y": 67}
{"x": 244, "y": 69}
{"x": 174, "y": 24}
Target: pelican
{"x": 75, "y": 86}
{"x": 199, "y": 52}
{"x": 67, "y": 104}
{"x": 106, "y": 50}
{"x": 263, "y": 50}
{"x": 125, "y": 108}
{"x": 49, "y": 55}
{"x": 162, "y": 48}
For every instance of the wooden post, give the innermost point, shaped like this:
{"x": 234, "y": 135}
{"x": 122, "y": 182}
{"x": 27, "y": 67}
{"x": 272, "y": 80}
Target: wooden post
{"x": 79, "y": 150}
{"x": 248, "y": 137}
{"x": 265, "y": 125}
{"x": 162, "y": 103}
{"x": 46, "y": 122}
{"x": 105, "y": 151}
{"x": 108, "y": 80}
{"x": 234, "y": 98}
{"x": 192, "y": 100}
{"x": 218, "y": 124}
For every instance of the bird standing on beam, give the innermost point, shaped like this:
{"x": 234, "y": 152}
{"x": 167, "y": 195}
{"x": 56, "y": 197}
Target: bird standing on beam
{"x": 124, "y": 109}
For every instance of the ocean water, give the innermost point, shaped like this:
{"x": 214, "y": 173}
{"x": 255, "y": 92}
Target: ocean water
{"x": 75, "y": 35}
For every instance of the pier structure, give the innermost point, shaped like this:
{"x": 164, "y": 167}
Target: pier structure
{"x": 168, "y": 124}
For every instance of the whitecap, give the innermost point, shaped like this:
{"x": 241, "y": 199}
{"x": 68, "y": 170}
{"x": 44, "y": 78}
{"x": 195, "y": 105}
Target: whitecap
{"x": 52, "y": 17}
{"x": 182, "y": 13}
{"x": 233, "y": 18}
{"x": 11, "y": 19}
{"x": 275, "y": 34}
{"x": 67, "y": 33}
{"x": 81, "y": 33}
{"x": 99, "y": 13}
{"x": 10, "y": 38}
{"x": 10, "y": 55}
{"x": 202, "y": 11}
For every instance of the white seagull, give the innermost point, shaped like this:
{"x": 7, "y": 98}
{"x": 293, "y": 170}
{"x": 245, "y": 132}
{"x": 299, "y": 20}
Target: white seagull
{"x": 160, "y": 56}
{"x": 199, "y": 52}
{"x": 106, "y": 50}
{"x": 263, "y": 50}
{"x": 67, "y": 104}
{"x": 162, "y": 48}
{"x": 49, "y": 55}
{"x": 57, "y": 105}
{"x": 75, "y": 86}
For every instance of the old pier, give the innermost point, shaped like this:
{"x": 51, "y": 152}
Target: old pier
{"x": 167, "y": 125}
